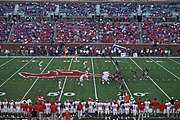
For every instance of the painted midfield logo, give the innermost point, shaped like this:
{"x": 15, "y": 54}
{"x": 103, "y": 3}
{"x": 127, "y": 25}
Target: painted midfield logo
{"x": 57, "y": 73}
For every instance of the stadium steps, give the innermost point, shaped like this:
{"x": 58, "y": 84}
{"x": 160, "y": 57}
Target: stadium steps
{"x": 140, "y": 31}
{"x": 9, "y": 37}
{"x": 54, "y": 35}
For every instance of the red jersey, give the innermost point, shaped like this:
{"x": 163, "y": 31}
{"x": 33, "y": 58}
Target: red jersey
{"x": 24, "y": 106}
{"x": 176, "y": 105}
{"x": 161, "y": 107}
{"x": 53, "y": 108}
{"x": 30, "y": 108}
{"x": 141, "y": 107}
{"x": 40, "y": 108}
{"x": 139, "y": 102}
{"x": 36, "y": 106}
{"x": 155, "y": 103}
{"x": 67, "y": 114}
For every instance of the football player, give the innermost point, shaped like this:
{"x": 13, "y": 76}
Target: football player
{"x": 107, "y": 108}
{"x": 146, "y": 110}
{"x": 85, "y": 64}
{"x": 59, "y": 86}
{"x": 168, "y": 107}
{"x": 105, "y": 77}
{"x": 133, "y": 71}
{"x": 59, "y": 108}
{"x": 18, "y": 108}
{"x": 11, "y": 108}
{"x": 47, "y": 109}
{"x": 5, "y": 107}
{"x": 86, "y": 73}
{"x": 81, "y": 79}
{"x": 134, "y": 110}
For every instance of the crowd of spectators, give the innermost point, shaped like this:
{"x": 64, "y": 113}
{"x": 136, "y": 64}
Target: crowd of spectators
{"x": 5, "y": 29}
{"x": 88, "y": 31}
{"x": 84, "y": 9}
{"x": 32, "y": 32}
{"x": 83, "y": 31}
{"x": 116, "y": 32}
{"x": 161, "y": 33}
{"x": 6, "y": 7}
{"x": 29, "y": 30}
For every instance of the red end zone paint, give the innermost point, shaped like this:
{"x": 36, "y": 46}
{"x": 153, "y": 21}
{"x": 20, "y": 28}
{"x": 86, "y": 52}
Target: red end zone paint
{"x": 58, "y": 73}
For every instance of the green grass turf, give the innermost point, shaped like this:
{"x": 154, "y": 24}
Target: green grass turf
{"x": 17, "y": 87}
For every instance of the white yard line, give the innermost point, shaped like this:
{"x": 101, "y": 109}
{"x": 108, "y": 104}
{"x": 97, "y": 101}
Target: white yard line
{"x": 15, "y": 73}
{"x": 36, "y": 79}
{"x": 94, "y": 80}
{"x": 174, "y": 61}
{"x": 166, "y": 69}
{"x": 6, "y": 62}
{"x": 152, "y": 80}
{"x": 65, "y": 80}
{"x": 124, "y": 82}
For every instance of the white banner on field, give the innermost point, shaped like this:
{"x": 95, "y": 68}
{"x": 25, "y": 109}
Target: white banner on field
{"x": 123, "y": 54}
{"x": 135, "y": 55}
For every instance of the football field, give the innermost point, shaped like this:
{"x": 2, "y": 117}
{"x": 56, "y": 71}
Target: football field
{"x": 163, "y": 81}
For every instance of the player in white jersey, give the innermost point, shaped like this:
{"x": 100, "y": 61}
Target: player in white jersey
{"x": 18, "y": 108}
{"x": 29, "y": 101}
{"x": 76, "y": 102}
{"x": 86, "y": 73}
{"x": 106, "y": 108}
{"x": 126, "y": 108}
{"x": 66, "y": 105}
{"x": 76, "y": 57}
{"x": 90, "y": 104}
{"x": 115, "y": 109}
{"x": 5, "y": 107}
{"x": 71, "y": 105}
{"x": 85, "y": 64}
{"x": 11, "y": 108}
{"x": 83, "y": 107}
{"x": 48, "y": 109}
{"x": 105, "y": 77}
{"x": 134, "y": 110}
{"x": 59, "y": 86}
{"x": 147, "y": 104}
{"x": 0, "y": 109}
{"x": 59, "y": 108}
{"x": 168, "y": 107}
{"x": 81, "y": 79}
{"x": 122, "y": 109}
{"x": 100, "y": 108}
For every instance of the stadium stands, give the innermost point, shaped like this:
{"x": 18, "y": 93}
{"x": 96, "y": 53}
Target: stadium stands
{"x": 5, "y": 29}
{"x": 35, "y": 25}
{"x": 32, "y": 32}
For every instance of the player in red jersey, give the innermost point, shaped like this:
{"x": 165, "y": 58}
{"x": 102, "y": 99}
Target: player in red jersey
{"x": 67, "y": 115}
{"x": 29, "y": 109}
{"x": 53, "y": 110}
{"x": 176, "y": 108}
{"x": 155, "y": 105}
{"x": 139, "y": 102}
{"x": 161, "y": 108}
{"x": 24, "y": 109}
{"x": 141, "y": 111}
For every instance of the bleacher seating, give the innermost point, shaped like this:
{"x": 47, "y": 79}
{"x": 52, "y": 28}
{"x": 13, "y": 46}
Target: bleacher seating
{"x": 36, "y": 27}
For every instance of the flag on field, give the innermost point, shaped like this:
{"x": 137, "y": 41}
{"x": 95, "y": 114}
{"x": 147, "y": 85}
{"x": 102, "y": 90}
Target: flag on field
{"x": 115, "y": 47}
